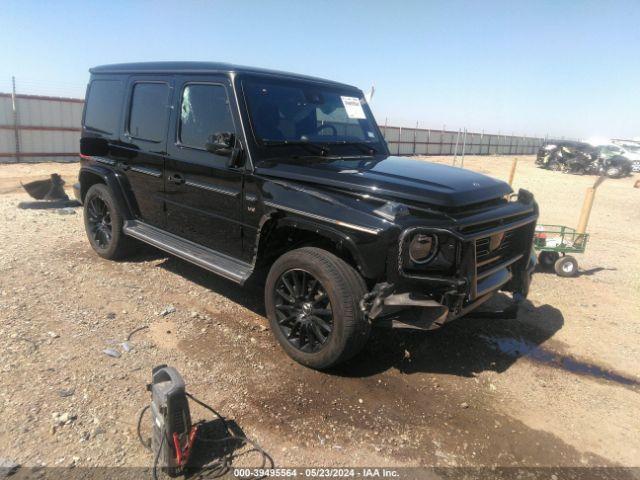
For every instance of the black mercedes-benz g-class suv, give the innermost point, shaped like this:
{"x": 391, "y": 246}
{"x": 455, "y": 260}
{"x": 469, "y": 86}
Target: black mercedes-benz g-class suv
{"x": 241, "y": 170}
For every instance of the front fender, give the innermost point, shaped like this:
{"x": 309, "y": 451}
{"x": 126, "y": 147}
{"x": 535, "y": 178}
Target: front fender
{"x": 343, "y": 220}
{"x": 369, "y": 266}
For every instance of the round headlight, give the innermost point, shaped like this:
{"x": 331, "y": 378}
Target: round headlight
{"x": 423, "y": 248}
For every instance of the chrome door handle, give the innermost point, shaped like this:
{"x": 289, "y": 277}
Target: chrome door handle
{"x": 176, "y": 178}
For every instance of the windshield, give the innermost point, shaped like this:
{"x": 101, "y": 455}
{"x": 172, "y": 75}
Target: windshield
{"x": 290, "y": 111}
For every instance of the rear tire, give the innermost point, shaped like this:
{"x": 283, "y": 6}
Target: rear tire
{"x": 566, "y": 266}
{"x": 299, "y": 279}
{"x": 547, "y": 260}
{"x": 103, "y": 224}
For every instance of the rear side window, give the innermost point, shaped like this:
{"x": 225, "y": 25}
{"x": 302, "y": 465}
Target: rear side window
{"x": 102, "y": 110}
{"x": 149, "y": 111}
{"x": 204, "y": 111}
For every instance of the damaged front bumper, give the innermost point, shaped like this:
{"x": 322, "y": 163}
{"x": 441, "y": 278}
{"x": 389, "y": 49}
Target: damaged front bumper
{"x": 384, "y": 302}
{"x": 494, "y": 254}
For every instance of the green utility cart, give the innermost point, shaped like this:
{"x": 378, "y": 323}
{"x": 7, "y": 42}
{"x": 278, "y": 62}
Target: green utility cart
{"x": 554, "y": 242}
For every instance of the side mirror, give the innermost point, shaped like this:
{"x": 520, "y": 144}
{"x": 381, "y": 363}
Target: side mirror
{"x": 221, "y": 143}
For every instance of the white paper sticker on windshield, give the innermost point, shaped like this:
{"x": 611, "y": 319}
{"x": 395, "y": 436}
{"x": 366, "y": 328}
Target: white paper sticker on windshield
{"x": 353, "y": 107}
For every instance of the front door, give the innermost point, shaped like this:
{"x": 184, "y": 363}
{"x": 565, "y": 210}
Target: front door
{"x": 203, "y": 193}
{"x": 140, "y": 153}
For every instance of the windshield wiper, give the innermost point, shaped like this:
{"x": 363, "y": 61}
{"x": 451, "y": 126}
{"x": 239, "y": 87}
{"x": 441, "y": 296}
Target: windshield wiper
{"x": 363, "y": 146}
{"x": 314, "y": 148}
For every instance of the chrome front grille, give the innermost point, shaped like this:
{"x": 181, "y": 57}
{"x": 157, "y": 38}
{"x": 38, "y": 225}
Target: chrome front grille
{"x": 494, "y": 249}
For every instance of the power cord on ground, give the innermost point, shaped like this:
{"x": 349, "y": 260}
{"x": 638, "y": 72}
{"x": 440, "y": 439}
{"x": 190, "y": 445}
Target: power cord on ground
{"x": 145, "y": 444}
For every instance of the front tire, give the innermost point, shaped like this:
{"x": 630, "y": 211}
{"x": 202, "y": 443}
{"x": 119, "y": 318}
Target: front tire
{"x": 103, "y": 224}
{"x": 312, "y": 300}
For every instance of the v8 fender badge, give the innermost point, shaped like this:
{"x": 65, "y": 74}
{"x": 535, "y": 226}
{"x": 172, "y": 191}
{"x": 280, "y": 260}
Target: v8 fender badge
{"x": 476, "y": 184}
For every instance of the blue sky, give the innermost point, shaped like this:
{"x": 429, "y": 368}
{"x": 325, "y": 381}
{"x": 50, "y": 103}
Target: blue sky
{"x": 567, "y": 68}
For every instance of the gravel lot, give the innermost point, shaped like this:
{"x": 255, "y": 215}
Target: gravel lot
{"x": 557, "y": 387}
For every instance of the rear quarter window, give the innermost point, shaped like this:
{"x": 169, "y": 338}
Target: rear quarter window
{"x": 103, "y": 104}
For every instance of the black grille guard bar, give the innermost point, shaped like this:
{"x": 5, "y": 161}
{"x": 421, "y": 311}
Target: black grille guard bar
{"x": 499, "y": 267}
{"x": 475, "y": 235}
{"x": 500, "y": 228}
{"x": 465, "y": 238}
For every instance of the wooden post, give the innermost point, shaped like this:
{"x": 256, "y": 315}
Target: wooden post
{"x": 512, "y": 172}
{"x": 586, "y": 210}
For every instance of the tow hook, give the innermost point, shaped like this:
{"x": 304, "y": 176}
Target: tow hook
{"x": 373, "y": 302}
{"x": 382, "y": 301}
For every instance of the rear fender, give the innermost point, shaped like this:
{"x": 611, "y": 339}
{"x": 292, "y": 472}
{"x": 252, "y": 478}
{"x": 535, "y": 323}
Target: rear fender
{"x": 117, "y": 183}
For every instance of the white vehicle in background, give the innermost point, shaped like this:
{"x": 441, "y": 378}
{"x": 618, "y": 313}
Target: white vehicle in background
{"x": 631, "y": 150}
{"x": 615, "y": 161}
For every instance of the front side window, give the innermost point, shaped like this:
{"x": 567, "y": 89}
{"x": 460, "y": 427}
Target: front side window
{"x": 298, "y": 111}
{"x": 204, "y": 112}
{"x": 149, "y": 111}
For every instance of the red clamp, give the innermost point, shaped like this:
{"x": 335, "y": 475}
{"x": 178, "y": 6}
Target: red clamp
{"x": 182, "y": 454}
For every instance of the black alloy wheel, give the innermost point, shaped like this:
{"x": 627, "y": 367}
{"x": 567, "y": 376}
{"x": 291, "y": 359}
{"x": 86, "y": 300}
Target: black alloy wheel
{"x": 99, "y": 222}
{"x": 303, "y": 310}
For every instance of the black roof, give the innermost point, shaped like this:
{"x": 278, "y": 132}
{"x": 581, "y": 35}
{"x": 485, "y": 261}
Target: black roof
{"x": 201, "y": 68}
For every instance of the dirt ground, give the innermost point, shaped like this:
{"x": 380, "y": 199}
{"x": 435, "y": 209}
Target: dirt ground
{"x": 557, "y": 387}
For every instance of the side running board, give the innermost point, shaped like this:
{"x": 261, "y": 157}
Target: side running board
{"x": 219, "y": 263}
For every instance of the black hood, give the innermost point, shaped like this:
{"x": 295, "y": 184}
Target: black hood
{"x": 392, "y": 177}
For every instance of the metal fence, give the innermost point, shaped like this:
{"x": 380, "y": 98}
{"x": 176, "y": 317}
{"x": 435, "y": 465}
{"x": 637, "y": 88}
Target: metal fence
{"x": 420, "y": 141}
{"x": 36, "y": 128}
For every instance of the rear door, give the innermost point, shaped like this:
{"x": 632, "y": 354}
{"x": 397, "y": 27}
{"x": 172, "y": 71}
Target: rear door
{"x": 140, "y": 154}
{"x": 203, "y": 194}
